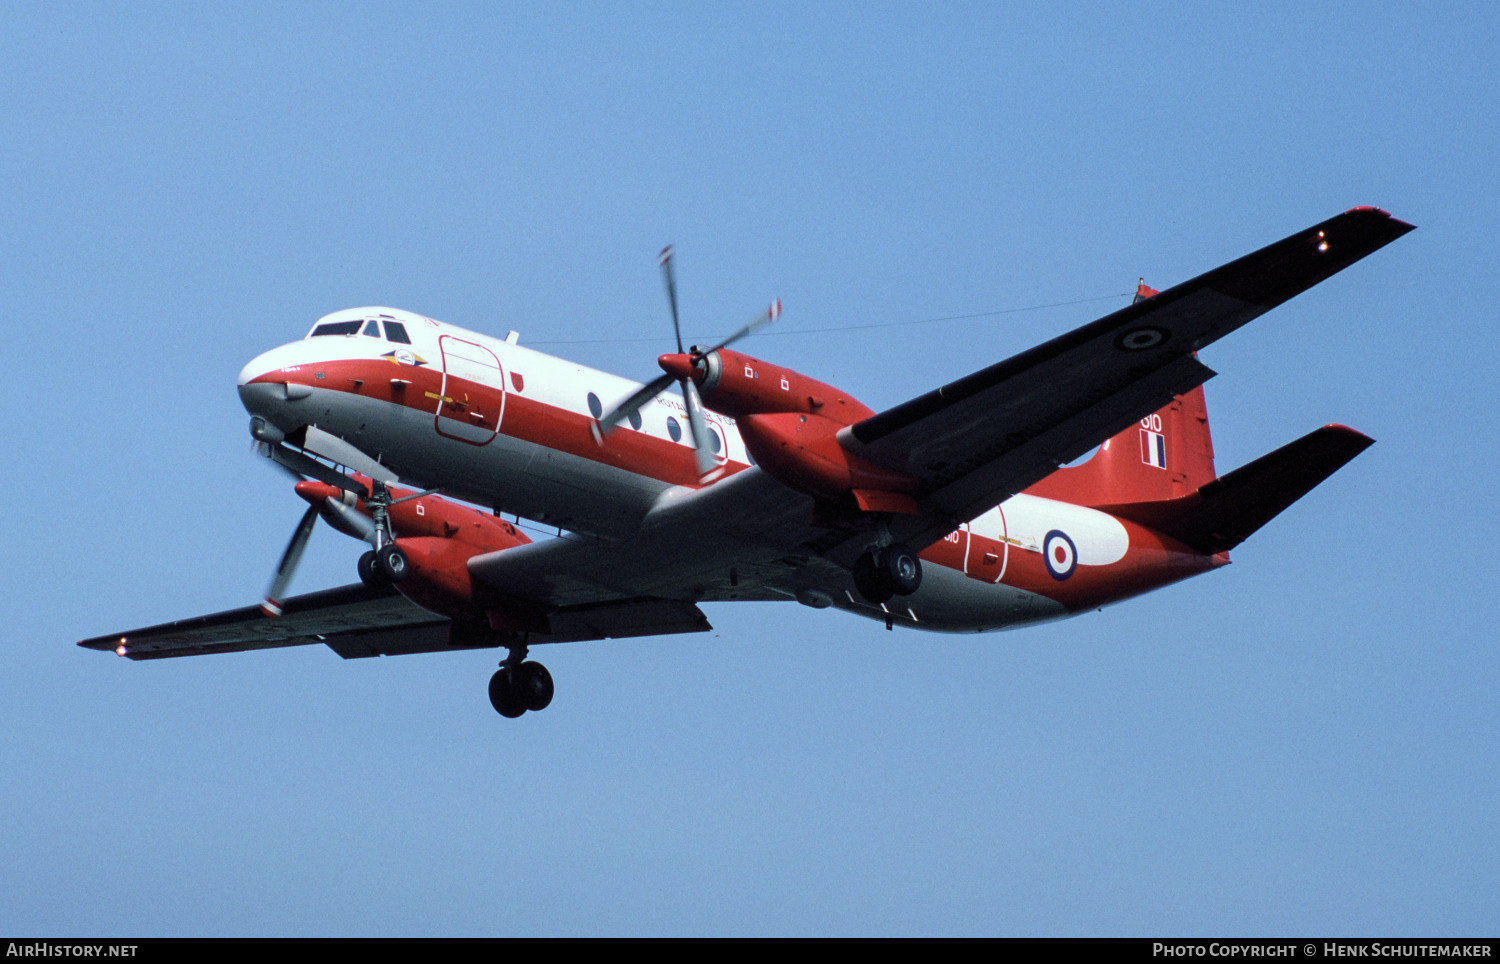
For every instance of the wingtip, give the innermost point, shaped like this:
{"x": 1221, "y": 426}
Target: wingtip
{"x": 1382, "y": 213}
{"x": 1352, "y": 433}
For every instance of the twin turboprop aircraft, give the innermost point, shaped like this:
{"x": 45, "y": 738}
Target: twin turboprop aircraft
{"x": 948, "y": 512}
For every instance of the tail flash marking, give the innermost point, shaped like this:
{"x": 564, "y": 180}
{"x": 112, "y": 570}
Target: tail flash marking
{"x": 1153, "y": 448}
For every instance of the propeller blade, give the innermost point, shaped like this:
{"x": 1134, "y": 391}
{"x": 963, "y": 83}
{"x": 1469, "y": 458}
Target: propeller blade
{"x": 289, "y": 559}
{"x": 771, "y": 315}
{"x": 665, "y": 258}
{"x": 703, "y": 456}
{"x": 633, "y": 404}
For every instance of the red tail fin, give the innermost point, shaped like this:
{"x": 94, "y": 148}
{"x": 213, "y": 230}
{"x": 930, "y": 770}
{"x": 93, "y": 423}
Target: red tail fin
{"x": 1165, "y": 455}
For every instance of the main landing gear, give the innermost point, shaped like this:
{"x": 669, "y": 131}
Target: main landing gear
{"x": 381, "y": 567}
{"x": 520, "y": 685}
{"x": 886, "y": 571}
{"x": 386, "y": 563}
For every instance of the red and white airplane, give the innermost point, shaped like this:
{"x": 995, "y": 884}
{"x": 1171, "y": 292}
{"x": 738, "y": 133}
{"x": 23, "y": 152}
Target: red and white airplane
{"x": 947, "y": 512}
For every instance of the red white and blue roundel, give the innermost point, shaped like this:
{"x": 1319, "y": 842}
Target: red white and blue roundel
{"x": 1060, "y": 554}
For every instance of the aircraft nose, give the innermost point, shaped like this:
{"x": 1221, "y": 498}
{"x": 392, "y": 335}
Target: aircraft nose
{"x": 266, "y": 390}
{"x": 266, "y": 403}
{"x": 262, "y": 364}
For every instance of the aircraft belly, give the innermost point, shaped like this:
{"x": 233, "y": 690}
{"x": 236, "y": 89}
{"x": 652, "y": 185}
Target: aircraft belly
{"x": 951, "y": 602}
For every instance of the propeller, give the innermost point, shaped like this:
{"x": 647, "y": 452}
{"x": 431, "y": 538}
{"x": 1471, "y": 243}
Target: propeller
{"x": 680, "y": 368}
{"x": 276, "y": 592}
{"x": 325, "y": 499}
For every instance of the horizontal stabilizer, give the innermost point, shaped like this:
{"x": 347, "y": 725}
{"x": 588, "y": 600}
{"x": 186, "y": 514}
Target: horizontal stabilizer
{"x": 1226, "y": 511}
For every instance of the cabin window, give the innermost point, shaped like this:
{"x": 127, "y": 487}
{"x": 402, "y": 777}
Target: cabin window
{"x": 396, "y": 332}
{"x": 635, "y": 421}
{"x": 595, "y": 408}
{"x": 338, "y": 328}
{"x": 673, "y": 429}
{"x": 713, "y": 441}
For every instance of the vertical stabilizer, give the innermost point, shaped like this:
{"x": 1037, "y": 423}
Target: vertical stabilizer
{"x": 1166, "y": 455}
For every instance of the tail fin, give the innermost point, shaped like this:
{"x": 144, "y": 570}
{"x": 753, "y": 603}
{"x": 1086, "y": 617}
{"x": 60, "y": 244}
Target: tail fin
{"x": 1160, "y": 473}
{"x": 1166, "y": 455}
{"x": 1225, "y": 512}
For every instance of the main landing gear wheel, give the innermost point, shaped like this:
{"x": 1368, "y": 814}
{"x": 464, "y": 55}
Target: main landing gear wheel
{"x": 392, "y": 563}
{"x": 516, "y": 689}
{"x": 883, "y": 572}
{"x": 505, "y": 697}
{"x": 536, "y": 684}
{"x": 368, "y": 574}
{"x": 379, "y": 568}
{"x": 867, "y": 580}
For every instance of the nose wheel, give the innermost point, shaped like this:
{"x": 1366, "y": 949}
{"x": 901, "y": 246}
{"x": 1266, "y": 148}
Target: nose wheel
{"x": 520, "y": 685}
{"x": 886, "y": 571}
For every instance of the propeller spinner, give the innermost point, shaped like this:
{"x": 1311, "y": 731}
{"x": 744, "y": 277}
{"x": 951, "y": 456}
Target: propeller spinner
{"x": 681, "y": 368}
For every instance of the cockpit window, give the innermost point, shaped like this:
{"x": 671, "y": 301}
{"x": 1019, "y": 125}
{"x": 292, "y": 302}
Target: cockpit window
{"x": 338, "y": 328}
{"x": 395, "y": 331}
{"x": 372, "y": 328}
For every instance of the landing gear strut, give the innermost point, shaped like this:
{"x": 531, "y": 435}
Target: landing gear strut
{"x": 520, "y": 685}
{"x": 886, "y": 571}
{"x": 386, "y": 563}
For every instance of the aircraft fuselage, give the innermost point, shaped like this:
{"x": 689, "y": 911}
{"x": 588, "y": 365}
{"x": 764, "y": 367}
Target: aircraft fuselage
{"x": 495, "y": 423}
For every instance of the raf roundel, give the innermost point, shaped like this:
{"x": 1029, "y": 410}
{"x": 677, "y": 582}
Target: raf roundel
{"x": 1139, "y": 339}
{"x": 1060, "y": 554}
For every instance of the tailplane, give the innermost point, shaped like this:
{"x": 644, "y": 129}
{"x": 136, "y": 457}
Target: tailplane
{"x": 1225, "y": 512}
{"x": 1160, "y": 473}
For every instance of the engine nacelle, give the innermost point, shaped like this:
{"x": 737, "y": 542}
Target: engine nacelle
{"x": 437, "y": 536}
{"x": 790, "y": 425}
{"x": 738, "y": 385}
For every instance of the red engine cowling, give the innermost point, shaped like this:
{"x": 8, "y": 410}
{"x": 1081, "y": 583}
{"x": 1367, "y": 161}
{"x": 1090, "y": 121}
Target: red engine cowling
{"x": 439, "y": 538}
{"x": 790, "y": 424}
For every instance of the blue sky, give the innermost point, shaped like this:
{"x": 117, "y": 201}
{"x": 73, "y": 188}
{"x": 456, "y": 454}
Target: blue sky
{"x": 1303, "y": 743}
